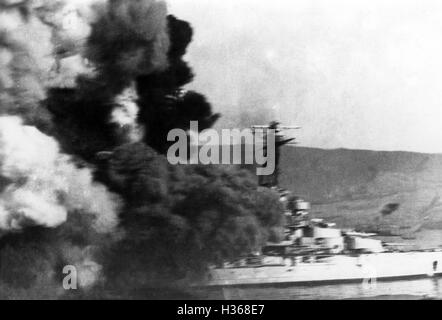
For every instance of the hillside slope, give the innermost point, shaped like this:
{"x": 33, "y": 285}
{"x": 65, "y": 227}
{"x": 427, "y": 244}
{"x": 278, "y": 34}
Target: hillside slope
{"x": 352, "y": 187}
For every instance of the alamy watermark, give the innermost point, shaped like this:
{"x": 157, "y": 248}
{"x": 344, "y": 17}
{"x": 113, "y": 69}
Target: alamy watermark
{"x": 83, "y": 276}
{"x": 70, "y": 281}
{"x": 229, "y": 147}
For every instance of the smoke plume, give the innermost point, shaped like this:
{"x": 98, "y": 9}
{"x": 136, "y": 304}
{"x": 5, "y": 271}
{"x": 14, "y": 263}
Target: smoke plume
{"x": 125, "y": 115}
{"x": 128, "y": 39}
{"x": 79, "y": 78}
{"x": 40, "y": 186}
{"x": 44, "y": 184}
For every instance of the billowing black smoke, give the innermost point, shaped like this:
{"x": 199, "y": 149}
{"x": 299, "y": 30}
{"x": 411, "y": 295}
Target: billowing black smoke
{"x": 180, "y": 219}
{"x": 162, "y": 102}
{"x": 158, "y": 224}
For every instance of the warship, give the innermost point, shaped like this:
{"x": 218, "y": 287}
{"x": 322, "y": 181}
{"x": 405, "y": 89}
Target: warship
{"x": 317, "y": 252}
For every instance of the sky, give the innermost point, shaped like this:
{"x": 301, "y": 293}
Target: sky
{"x": 359, "y": 74}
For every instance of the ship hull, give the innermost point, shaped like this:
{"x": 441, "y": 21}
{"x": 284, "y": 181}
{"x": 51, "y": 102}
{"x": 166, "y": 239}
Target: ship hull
{"x": 366, "y": 268}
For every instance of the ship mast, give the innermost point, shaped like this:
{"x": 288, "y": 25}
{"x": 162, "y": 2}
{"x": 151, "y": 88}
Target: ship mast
{"x": 281, "y": 139}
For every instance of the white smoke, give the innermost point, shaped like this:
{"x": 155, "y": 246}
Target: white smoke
{"x": 47, "y": 44}
{"x": 125, "y": 114}
{"x": 43, "y": 43}
{"x": 70, "y": 23}
{"x": 26, "y": 56}
{"x": 44, "y": 185}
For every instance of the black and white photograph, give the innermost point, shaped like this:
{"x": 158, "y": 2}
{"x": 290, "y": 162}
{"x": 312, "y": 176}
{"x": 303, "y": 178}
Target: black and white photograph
{"x": 233, "y": 150}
